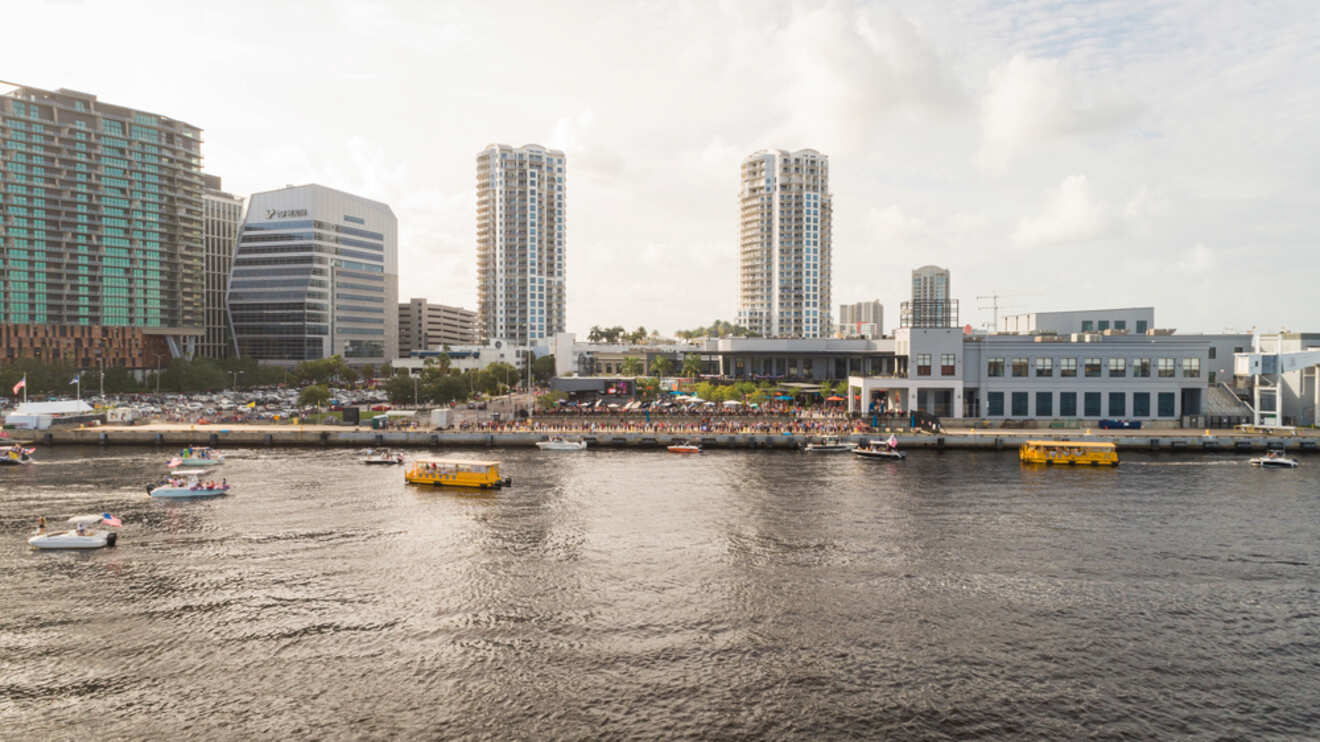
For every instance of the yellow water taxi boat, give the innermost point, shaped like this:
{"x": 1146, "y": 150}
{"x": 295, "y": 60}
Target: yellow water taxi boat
{"x": 1081, "y": 453}
{"x": 457, "y": 473}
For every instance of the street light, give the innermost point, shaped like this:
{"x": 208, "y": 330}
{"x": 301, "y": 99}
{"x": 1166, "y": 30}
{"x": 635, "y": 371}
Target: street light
{"x": 414, "y": 378}
{"x": 234, "y": 378}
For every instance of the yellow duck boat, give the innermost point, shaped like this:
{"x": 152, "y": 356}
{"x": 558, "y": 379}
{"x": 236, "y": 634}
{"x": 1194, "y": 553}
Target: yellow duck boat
{"x": 457, "y": 473}
{"x": 1077, "y": 453}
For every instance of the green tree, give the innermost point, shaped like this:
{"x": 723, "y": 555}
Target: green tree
{"x": 662, "y": 366}
{"x": 550, "y": 399}
{"x": 595, "y": 335}
{"x": 400, "y": 389}
{"x": 314, "y": 396}
{"x": 504, "y": 373}
{"x": 543, "y": 369}
{"x": 632, "y": 366}
{"x": 692, "y": 365}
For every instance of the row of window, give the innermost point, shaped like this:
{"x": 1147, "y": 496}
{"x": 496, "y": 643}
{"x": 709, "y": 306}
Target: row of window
{"x": 1095, "y": 367}
{"x": 1102, "y": 325}
{"x": 1091, "y": 404}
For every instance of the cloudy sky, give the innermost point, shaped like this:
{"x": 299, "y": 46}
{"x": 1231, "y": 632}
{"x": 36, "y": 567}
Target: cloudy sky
{"x": 1060, "y": 154}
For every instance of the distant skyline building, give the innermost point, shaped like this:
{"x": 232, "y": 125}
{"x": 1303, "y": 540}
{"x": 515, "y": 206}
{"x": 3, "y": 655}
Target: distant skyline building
{"x": 424, "y": 326}
{"x": 520, "y": 243}
{"x": 101, "y": 248}
{"x": 222, "y": 214}
{"x": 932, "y": 304}
{"x": 316, "y": 274}
{"x": 785, "y": 219}
{"x": 862, "y": 319}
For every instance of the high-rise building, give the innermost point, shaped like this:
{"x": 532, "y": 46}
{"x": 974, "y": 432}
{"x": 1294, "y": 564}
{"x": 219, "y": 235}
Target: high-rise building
{"x": 316, "y": 274}
{"x": 425, "y": 326}
{"x": 520, "y": 243}
{"x": 222, "y": 214}
{"x": 784, "y": 246}
{"x": 932, "y": 304}
{"x": 102, "y": 215}
{"x": 862, "y": 319}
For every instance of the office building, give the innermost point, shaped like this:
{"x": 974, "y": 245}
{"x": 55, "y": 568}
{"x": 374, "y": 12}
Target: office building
{"x": 520, "y": 243}
{"x": 785, "y": 213}
{"x": 315, "y": 275}
{"x": 862, "y": 319}
{"x": 102, "y": 241}
{"x": 425, "y": 326}
{"x": 1136, "y": 320}
{"x": 222, "y": 214}
{"x": 932, "y": 304}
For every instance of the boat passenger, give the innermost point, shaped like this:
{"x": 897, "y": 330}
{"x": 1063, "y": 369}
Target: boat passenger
{"x": 82, "y": 530}
{"x": 41, "y": 525}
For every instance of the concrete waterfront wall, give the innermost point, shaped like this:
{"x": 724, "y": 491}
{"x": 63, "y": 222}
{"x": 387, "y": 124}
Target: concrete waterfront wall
{"x": 239, "y": 438}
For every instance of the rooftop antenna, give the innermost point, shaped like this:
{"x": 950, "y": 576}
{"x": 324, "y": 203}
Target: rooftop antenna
{"x": 991, "y": 302}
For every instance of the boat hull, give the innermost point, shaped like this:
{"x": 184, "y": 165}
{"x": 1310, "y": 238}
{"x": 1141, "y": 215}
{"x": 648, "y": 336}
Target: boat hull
{"x": 561, "y": 446}
{"x": 684, "y": 449}
{"x": 822, "y": 448}
{"x": 1265, "y": 463}
{"x": 186, "y": 493}
{"x": 71, "y": 540}
{"x": 871, "y": 454}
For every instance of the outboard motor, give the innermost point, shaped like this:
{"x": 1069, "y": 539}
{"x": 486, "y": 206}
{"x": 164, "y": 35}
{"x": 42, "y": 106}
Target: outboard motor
{"x": 111, "y": 538}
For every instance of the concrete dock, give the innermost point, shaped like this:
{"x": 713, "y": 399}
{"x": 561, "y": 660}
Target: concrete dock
{"x": 246, "y": 436}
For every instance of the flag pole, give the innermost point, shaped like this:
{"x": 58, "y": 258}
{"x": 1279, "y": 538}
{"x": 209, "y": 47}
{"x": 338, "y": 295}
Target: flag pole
{"x": 24, "y": 388}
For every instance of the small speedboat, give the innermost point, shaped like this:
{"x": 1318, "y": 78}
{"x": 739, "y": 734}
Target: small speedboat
{"x": 207, "y": 457}
{"x": 684, "y": 447}
{"x": 191, "y": 488}
{"x": 829, "y": 445}
{"x": 559, "y": 444}
{"x": 1274, "y": 460}
{"x": 16, "y": 456}
{"x": 82, "y": 536}
{"x": 385, "y": 458}
{"x": 881, "y": 450}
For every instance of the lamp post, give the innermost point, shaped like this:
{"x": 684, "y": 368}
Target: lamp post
{"x": 414, "y": 379}
{"x": 234, "y": 378}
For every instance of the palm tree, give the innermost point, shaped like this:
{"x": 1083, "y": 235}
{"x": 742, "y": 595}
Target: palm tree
{"x": 632, "y": 366}
{"x": 595, "y": 335}
{"x": 662, "y": 366}
{"x": 692, "y": 365}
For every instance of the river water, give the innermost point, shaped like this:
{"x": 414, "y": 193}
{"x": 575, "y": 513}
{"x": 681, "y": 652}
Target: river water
{"x": 627, "y": 594}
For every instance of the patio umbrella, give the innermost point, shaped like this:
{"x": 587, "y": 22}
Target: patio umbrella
{"x": 784, "y": 397}
{"x": 834, "y": 398}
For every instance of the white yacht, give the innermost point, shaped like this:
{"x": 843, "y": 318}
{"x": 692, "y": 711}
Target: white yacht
{"x": 1274, "y": 460}
{"x": 559, "y": 444}
{"x": 83, "y": 535}
{"x": 829, "y": 445}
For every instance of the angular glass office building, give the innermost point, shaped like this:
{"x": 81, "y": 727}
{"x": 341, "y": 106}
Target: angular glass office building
{"x": 316, "y": 274}
{"x": 100, "y": 227}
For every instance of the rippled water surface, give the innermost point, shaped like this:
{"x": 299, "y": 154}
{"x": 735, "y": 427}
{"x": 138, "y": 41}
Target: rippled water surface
{"x": 645, "y": 595}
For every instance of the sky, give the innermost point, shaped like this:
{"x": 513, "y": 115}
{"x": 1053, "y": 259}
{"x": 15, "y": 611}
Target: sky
{"x": 1060, "y": 155}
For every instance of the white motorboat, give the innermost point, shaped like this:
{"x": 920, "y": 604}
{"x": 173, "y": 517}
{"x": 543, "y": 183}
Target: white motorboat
{"x": 559, "y": 444}
{"x": 382, "y": 458}
{"x": 16, "y": 455}
{"x": 881, "y": 450}
{"x": 205, "y": 457}
{"x": 829, "y": 445}
{"x": 83, "y": 536}
{"x": 177, "y": 488}
{"x": 1274, "y": 460}
{"x": 684, "y": 447}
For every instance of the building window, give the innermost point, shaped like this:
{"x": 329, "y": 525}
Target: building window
{"x": 1087, "y": 325}
{"x": 1165, "y": 366}
{"x": 1044, "y": 366}
{"x": 1191, "y": 367}
{"x": 1120, "y": 324}
{"x": 1141, "y": 404}
{"x": 1141, "y": 367}
{"x": 994, "y": 367}
{"x": 1092, "y": 367}
{"x": 995, "y": 401}
{"x": 947, "y": 364}
{"x": 1141, "y": 327}
{"x": 1092, "y": 404}
{"x": 1212, "y": 352}
{"x": 1117, "y": 404}
{"x": 1019, "y": 366}
{"x": 1117, "y": 367}
{"x": 1166, "y": 404}
{"x": 1044, "y": 404}
{"x": 923, "y": 364}
{"x": 1067, "y": 404}
{"x": 1104, "y": 325}
{"x": 1067, "y": 367}
{"x": 1020, "y": 404}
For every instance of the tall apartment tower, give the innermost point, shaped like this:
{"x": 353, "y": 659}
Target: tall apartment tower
{"x": 520, "y": 243}
{"x": 222, "y": 214}
{"x": 316, "y": 274}
{"x": 785, "y": 244}
{"x": 932, "y": 304}
{"x": 101, "y": 249}
{"x": 862, "y": 319}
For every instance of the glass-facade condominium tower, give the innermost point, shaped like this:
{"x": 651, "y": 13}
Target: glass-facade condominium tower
{"x": 316, "y": 274}
{"x": 100, "y": 230}
{"x": 784, "y": 247}
{"x": 520, "y": 243}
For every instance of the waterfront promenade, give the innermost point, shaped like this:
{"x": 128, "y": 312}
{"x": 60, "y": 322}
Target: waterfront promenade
{"x": 623, "y": 436}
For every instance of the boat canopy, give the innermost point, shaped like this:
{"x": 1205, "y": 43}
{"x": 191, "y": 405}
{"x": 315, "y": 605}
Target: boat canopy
{"x": 1073, "y": 444}
{"x": 457, "y": 462}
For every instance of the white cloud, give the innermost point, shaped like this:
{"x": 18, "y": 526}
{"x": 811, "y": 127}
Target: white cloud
{"x": 1072, "y": 214}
